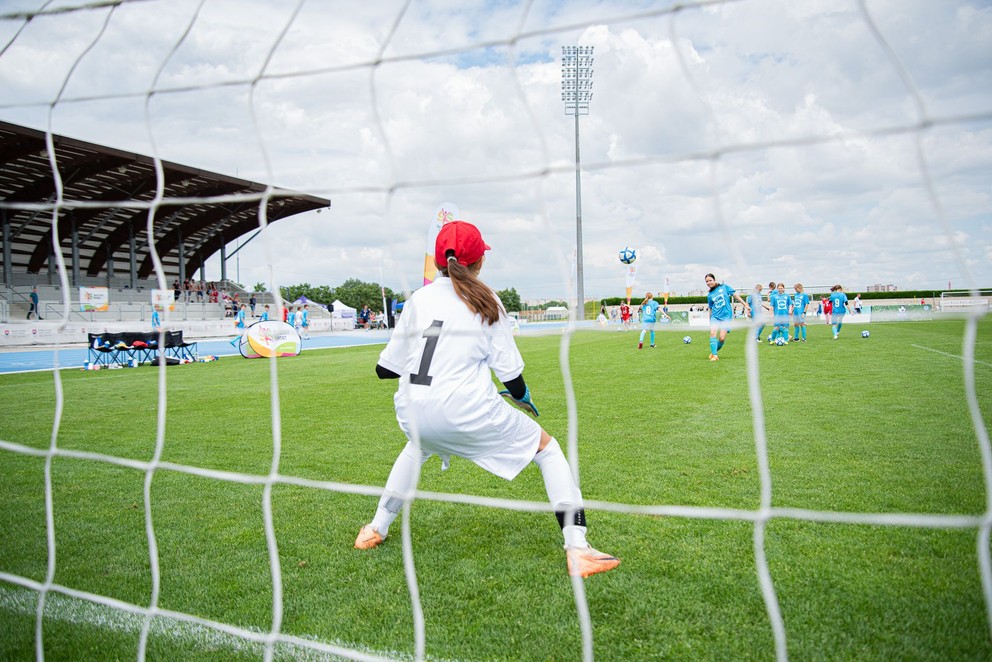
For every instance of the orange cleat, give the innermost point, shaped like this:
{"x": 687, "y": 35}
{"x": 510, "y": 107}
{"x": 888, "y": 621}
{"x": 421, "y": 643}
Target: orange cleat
{"x": 368, "y": 538}
{"x": 586, "y": 561}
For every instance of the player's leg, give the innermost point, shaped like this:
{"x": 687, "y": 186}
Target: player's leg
{"x": 714, "y": 342}
{"x": 402, "y": 480}
{"x": 566, "y": 499}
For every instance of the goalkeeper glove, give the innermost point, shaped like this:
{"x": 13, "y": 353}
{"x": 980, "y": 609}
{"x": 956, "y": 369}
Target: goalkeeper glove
{"x": 525, "y": 403}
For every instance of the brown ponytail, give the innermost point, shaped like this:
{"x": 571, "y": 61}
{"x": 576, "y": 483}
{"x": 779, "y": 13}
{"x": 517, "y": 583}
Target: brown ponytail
{"x": 476, "y": 294}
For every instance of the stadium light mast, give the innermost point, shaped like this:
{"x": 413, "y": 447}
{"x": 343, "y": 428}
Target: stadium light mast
{"x": 576, "y": 92}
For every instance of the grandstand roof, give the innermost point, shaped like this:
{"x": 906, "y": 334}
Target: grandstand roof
{"x": 105, "y": 203}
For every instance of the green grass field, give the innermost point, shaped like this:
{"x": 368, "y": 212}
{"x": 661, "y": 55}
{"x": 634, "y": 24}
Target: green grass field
{"x": 877, "y": 425}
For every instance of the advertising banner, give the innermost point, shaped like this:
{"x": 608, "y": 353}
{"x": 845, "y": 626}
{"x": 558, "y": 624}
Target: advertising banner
{"x": 269, "y": 338}
{"x": 94, "y": 299}
{"x": 164, "y": 298}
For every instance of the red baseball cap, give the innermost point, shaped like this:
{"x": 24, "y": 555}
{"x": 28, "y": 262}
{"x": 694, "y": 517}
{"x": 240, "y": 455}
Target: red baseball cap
{"x": 464, "y": 239}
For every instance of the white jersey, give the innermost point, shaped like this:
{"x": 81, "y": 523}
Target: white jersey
{"x": 443, "y": 353}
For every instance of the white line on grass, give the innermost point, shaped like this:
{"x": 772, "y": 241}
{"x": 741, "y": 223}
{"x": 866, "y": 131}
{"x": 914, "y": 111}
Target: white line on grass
{"x": 953, "y": 356}
{"x": 66, "y": 609}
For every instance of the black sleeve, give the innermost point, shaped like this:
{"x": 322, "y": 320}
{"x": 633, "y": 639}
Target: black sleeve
{"x": 516, "y": 386}
{"x": 385, "y": 373}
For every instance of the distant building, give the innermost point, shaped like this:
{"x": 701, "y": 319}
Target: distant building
{"x": 882, "y": 288}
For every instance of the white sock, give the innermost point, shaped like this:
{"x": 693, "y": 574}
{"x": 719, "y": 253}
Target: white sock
{"x": 563, "y": 493}
{"x": 402, "y": 480}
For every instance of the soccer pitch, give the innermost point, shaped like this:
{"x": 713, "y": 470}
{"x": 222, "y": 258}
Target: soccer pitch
{"x": 858, "y": 425}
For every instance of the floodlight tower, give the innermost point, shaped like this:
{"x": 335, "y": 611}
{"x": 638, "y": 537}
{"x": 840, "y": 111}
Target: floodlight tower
{"x": 576, "y": 92}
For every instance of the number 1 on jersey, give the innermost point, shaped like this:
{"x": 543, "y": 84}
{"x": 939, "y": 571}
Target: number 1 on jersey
{"x": 431, "y": 333}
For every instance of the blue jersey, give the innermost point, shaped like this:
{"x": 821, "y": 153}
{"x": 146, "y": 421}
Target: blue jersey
{"x": 241, "y": 319}
{"x": 800, "y": 300}
{"x": 780, "y": 305}
{"x": 306, "y": 318}
{"x": 839, "y": 302}
{"x": 264, "y": 317}
{"x": 649, "y": 311}
{"x": 754, "y": 302}
{"x": 156, "y": 322}
{"x": 720, "y": 300}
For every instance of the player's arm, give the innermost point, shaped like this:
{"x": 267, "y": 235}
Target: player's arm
{"x": 518, "y": 393}
{"x": 385, "y": 373}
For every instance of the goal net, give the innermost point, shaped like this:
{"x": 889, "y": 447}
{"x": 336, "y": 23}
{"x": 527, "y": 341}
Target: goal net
{"x": 820, "y": 141}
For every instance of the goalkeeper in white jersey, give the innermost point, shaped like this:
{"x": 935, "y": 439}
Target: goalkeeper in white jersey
{"x": 451, "y": 334}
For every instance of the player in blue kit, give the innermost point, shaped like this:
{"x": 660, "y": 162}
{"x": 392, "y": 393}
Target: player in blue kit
{"x": 781, "y": 309}
{"x": 757, "y": 306}
{"x": 840, "y": 306}
{"x": 649, "y": 315}
{"x": 800, "y": 302}
{"x": 721, "y": 302}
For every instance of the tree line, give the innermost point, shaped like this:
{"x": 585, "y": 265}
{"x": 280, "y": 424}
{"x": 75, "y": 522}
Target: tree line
{"x": 357, "y": 293}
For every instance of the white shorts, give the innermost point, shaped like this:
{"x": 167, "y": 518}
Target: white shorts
{"x": 502, "y": 440}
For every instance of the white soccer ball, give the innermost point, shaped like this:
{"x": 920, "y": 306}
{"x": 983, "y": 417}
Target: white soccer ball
{"x": 780, "y": 341}
{"x": 865, "y": 334}
{"x": 687, "y": 340}
{"x": 628, "y": 255}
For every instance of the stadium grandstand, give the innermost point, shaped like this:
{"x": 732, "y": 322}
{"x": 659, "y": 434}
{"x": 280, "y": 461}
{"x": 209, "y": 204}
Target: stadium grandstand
{"x": 103, "y": 217}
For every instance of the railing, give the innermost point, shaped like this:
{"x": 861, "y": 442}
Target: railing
{"x": 137, "y": 312}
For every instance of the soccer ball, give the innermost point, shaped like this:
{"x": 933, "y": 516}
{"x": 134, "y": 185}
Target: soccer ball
{"x": 780, "y": 341}
{"x": 686, "y": 339}
{"x": 628, "y": 255}
{"x": 865, "y": 334}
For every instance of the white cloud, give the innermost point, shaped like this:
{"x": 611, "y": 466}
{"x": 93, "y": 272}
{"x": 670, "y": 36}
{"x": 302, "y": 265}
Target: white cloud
{"x": 389, "y": 142}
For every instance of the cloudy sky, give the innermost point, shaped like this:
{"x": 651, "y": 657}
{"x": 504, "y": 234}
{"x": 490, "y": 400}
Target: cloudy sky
{"x": 819, "y": 141}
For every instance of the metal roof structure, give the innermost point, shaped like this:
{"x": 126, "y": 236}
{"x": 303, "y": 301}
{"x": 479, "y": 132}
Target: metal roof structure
{"x": 107, "y": 195}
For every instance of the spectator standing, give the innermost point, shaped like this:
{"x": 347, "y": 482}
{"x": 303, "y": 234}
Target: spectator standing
{"x": 251, "y": 304}
{"x": 35, "y": 307}
{"x": 305, "y": 323}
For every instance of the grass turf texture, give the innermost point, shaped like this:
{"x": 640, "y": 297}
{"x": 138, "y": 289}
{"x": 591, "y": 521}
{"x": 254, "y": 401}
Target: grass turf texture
{"x": 862, "y": 425}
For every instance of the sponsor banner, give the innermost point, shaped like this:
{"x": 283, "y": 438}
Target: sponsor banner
{"x": 94, "y": 299}
{"x": 164, "y": 298}
{"x": 269, "y": 338}
{"x": 905, "y": 312}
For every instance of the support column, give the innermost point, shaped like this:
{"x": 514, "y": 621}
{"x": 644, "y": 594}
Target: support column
{"x": 8, "y": 268}
{"x": 76, "y": 281}
{"x": 133, "y": 255}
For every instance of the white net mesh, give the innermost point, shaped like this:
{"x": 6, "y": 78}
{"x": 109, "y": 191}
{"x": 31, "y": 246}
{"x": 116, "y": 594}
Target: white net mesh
{"x": 698, "y": 153}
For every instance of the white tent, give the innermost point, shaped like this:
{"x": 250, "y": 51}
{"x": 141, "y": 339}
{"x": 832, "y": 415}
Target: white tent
{"x": 303, "y": 301}
{"x": 343, "y": 317}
